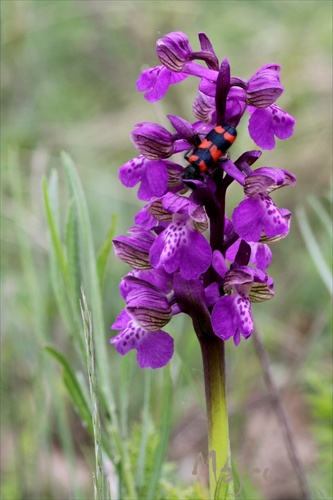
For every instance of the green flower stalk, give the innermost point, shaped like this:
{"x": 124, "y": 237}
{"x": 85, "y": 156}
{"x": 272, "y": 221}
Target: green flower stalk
{"x": 217, "y": 414}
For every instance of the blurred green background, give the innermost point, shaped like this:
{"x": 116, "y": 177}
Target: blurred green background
{"x": 68, "y": 74}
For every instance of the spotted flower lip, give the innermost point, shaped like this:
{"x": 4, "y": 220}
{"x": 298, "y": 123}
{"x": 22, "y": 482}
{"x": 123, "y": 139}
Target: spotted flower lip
{"x": 267, "y": 123}
{"x": 154, "y": 348}
{"x": 259, "y": 214}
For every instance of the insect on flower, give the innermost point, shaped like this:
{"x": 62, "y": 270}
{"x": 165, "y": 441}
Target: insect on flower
{"x": 209, "y": 151}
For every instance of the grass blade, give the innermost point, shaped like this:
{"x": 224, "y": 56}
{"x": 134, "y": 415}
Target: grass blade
{"x": 54, "y": 233}
{"x": 163, "y": 432}
{"x": 73, "y": 387}
{"x": 73, "y": 255}
{"x": 104, "y": 253}
{"x": 92, "y": 287}
{"x": 314, "y": 250}
{"x": 99, "y": 483}
{"x": 145, "y": 430}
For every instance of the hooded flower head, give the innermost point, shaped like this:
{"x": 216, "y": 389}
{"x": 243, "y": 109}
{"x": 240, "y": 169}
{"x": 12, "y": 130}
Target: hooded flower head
{"x": 186, "y": 255}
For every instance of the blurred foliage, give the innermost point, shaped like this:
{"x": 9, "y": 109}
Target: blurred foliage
{"x": 68, "y": 73}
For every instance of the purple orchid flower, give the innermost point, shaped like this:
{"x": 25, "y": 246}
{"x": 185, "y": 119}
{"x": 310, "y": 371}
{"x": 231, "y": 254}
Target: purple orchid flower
{"x": 154, "y": 348}
{"x": 258, "y": 213}
{"x": 231, "y": 315}
{"x": 186, "y": 255}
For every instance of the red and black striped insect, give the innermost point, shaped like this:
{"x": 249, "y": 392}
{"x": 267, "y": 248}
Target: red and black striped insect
{"x": 205, "y": 157}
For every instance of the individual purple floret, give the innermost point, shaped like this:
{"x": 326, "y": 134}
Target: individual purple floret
{"x": 186, "y": 255}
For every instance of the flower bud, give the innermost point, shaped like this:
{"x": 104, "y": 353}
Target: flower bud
{"x": 264, "y": 87}
{"x": 152, "y": 140}
{"x": 174, "y": 50}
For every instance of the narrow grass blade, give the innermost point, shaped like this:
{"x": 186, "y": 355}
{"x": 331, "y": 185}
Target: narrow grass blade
{"x": 73, "y": 388}
{"x": 163, "y": 432}
{"x": 73, "y": 254}
{"x": 124, "y": 394}
{"x": 323, "y": 214}
{"x": 145, "y": 429}
{"x": 224, "y": 489}
{"x": 92, "y": 287}
{"x": 99, "y": 483}
{"x": 317, "y": 256}
{"x": 56, "y": 276}
{"x": 104, "y": 253}
{"x": 54, "y": 233}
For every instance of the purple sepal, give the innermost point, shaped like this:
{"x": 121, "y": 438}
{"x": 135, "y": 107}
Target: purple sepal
{"x": 208, "y": 88}
{"x": 242, "y": 278}
{"x": 266, "y": 123}
{"x": 184, "y": 129}
{"x": 236, "y": 106}
{"x": 145, "y": 303}
{"x": 212, "y": 294}
{"x": 247, "y": 159}
{"x": 144, "y": 219}
{"x": 222, "y": 89}
{"x": 230, "y": 168}
{"x": 152, "y": 140}
{"x": 174, "y": 50}
{"x": 206, "y": 46}
{"x": 219, "y": 264}
{"x": 264, "y": 87}
{"x": 204, "y": 108}
{"x": 266, "y": 180}
{"x": 134, "y": 249}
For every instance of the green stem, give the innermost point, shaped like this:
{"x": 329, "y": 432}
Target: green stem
{"x": 212, "y": 349}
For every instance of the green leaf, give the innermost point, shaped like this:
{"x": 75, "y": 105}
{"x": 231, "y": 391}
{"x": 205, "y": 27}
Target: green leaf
{"x": 73, "y": 387}
{"x": 323, "y": 214}
{"x": 100, "y": 485}
{"x": 163, "y": 432}
{"x": 314, "y": 249}
{"x": 92, "y": 287}
{"x": 104, "y": 252}
{"x": 148, "y": 374}
{"x": 54, "y": 233}
{"x": 73, "y": 254}
{"x": 224, "y": 490}
{"x": 58, "y": 284}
